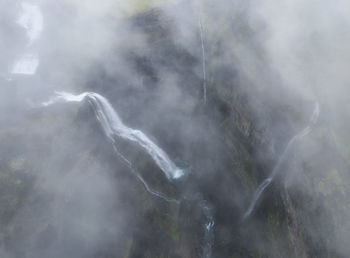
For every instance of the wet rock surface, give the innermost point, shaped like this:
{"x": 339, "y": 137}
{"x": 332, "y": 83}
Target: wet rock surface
{"x": 64, "y": 192}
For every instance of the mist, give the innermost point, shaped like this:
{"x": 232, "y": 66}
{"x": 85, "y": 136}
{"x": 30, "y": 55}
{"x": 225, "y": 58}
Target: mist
{"x": 172, "y": 128}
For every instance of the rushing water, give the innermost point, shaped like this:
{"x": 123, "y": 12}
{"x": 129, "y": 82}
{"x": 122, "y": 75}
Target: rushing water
{"x": 277, "y": 167}
{"x": 114, "y": 128}
{"x": 208, "y": 228}
{"x": 204, "y": 70}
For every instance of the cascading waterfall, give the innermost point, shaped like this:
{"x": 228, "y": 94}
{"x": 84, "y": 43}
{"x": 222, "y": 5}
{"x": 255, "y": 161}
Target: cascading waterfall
{"x": 208, "y": 227}
{"x": 114, "y": 127}
{"x": 277, "y": 167}
{"x": 31, "y": 20}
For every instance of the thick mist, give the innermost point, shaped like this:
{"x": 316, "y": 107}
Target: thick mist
{"x": 182, "y": 128}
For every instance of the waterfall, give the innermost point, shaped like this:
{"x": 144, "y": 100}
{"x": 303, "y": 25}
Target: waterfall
{"x": 276, "y": 169}
{"x": 114, "y": 127}
{"x": 208, "y": 228}
{"x": 142, "y": 180}
{"x": 204, "y": 69}
{"x": 203, "y": 61}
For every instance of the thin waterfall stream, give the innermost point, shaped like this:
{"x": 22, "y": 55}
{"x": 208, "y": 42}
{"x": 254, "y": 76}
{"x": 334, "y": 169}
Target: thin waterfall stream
{"x": 208, "y": 228}
{"x": 169, "y": 128}
{"x": 204, "y": 69}
{"x": 276, "y": 169}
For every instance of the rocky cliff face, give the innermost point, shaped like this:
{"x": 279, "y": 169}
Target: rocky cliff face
{"x": 64, "y": 192}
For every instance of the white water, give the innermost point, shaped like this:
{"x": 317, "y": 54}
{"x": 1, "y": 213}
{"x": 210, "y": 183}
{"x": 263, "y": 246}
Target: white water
{"x": 208, "y": 230}
{"x": 142, "y": 180}
{"x": 114, "y": 127}
{"x": 31, "y": 19}
{"x": 201, "y": 33}
{"x": 276, "y": 169}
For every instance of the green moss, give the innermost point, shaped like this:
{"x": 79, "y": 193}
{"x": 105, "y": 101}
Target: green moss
{"x": 342, "y": 141}
{"x": 174, "y": 232}
{"x": 273, "y": 220}
{"x": 170, "y": 226}
{"x": 163, "y": 256}
{"x": 331, "y": 183}
{"x": 129, "y": 243}
{"x": 132, "y": 7}
{"x": 17, "y": 164}
{"x": 254, "y": 255}
{"x": 14, "y": 186}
